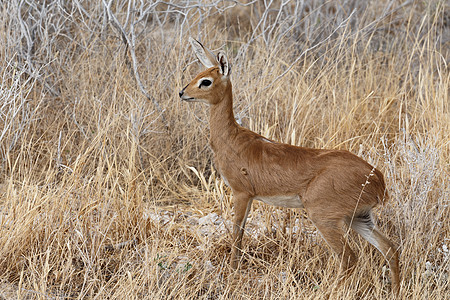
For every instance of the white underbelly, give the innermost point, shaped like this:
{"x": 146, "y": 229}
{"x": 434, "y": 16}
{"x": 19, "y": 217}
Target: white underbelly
{"x": 291, "y": 201}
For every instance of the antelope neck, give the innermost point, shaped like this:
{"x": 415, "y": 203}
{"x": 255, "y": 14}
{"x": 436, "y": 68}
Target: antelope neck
{"x": 222, "y": 123}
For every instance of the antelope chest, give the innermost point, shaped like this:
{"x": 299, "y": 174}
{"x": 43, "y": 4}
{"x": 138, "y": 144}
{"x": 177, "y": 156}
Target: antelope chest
{"x": 289, "y": 201}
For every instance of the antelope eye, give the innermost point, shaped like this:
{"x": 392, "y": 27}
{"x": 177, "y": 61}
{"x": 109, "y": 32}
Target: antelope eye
{"x": 205, "y": 82}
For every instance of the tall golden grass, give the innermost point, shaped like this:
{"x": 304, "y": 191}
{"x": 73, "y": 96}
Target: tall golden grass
{"x": 105, "y": 195}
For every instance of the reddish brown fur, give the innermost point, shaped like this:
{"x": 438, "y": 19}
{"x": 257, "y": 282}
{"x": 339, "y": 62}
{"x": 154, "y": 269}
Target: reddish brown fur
{"x": 335, "y": 187}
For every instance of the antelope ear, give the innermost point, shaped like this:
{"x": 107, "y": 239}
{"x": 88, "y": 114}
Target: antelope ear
{"x": 224, "y": 65}
{"x": 203, "y": 54}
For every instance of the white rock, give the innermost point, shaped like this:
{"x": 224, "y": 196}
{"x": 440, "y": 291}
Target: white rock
{"x": 209, "y": 267}
{"x": 209, "y": 219}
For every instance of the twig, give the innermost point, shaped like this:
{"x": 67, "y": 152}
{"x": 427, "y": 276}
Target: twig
{"x": 130, "y": 46}
{"x": 309, "y": 49}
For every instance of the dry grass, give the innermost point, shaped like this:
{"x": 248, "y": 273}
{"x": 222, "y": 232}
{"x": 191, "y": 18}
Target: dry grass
{"x": 104, "y": 195}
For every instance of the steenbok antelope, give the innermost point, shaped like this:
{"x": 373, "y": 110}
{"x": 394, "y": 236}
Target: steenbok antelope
{"x": 335, "y": 187}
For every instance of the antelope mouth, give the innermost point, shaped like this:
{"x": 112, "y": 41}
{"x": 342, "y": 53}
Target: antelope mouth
{"x": 187, "y": 99}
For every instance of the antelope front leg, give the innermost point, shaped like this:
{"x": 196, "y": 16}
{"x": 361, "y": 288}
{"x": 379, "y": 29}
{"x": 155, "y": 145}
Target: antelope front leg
{"x": 242, "y": 205}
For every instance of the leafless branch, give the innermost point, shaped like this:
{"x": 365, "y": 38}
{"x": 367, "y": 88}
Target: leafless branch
{"x": 310, "y": 49}
{"x": 129, "y": 39}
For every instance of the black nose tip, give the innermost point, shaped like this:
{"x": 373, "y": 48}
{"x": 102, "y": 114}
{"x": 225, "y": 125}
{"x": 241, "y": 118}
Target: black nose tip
{"x": 181, "y": 93}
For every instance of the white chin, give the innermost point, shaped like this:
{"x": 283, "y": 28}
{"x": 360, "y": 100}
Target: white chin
{"x": 196, "y": 100}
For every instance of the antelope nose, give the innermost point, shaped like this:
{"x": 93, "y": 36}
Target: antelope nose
{"x": 181, "y": 93}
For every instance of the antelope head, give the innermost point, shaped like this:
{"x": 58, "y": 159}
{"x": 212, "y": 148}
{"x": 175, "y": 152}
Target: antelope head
{"x": 210, "y": 85}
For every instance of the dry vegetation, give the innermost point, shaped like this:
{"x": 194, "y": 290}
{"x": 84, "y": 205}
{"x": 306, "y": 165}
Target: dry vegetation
{"x": 107, "y": 188}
